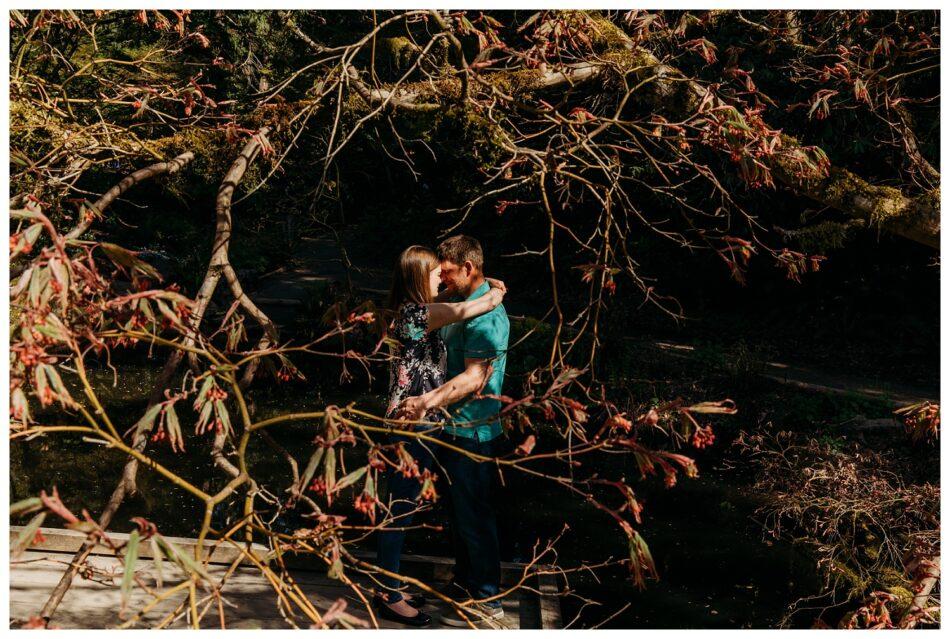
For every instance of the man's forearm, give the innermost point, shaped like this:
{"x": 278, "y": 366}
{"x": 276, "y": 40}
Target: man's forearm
{"x": 454, "y": 390}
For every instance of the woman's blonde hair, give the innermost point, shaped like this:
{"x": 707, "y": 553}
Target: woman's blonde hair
{"x": 411, "y": 276}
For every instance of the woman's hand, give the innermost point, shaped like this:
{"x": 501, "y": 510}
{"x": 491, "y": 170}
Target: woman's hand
{"x": 497, "y": 290}
{"x": 493, "y": 283}
{"x": 496, "y": 295}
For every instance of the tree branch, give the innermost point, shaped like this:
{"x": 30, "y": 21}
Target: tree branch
{"x": 170, "y": 167}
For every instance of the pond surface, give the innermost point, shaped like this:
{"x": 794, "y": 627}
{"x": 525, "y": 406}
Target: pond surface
{"x": 716, "y": 570}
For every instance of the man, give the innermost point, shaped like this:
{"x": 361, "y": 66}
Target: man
{"x": 477, "y": 352}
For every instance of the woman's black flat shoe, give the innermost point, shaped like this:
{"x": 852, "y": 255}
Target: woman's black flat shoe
{"x": 417, "y": 601}
{"x": 417, "y": 621}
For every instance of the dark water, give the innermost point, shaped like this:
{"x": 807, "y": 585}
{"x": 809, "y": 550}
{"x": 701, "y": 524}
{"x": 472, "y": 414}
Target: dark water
{"x": 716, "y": 570}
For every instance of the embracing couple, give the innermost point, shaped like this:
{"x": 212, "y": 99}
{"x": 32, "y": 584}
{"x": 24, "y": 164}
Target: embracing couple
{"x": 452, "y": 354}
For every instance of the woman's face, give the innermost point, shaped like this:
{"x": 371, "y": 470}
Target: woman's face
{"x": 435, "y": 278}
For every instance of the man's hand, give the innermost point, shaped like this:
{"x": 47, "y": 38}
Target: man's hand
{"x": 411, "y": 409}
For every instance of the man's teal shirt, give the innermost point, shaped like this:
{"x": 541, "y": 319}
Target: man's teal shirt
{"x": 482, "y": 337}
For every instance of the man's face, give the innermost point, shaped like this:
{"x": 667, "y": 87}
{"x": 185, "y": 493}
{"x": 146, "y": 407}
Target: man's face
{"x": 456, "y": 277}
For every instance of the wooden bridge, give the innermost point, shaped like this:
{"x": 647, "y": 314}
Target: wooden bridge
{"x": 249, "y": 599}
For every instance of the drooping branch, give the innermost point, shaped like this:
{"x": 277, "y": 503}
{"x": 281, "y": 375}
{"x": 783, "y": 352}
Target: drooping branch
{"x": 89, "y": 215}
{"x": 219, "y": 265}
{"x": 127, "y": 484}
{"x": 159, "y": 168}
{"x": 220, "y": 262}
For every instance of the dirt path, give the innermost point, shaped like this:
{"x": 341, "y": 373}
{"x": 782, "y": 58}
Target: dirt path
{"x": 814, "y": 380}
{"x": 316, "y": 261}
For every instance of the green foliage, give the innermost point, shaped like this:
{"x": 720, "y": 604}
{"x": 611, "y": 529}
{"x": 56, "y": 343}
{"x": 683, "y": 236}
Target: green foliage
{"x": 533, "y": 339}
{"x": 825, "y": 236}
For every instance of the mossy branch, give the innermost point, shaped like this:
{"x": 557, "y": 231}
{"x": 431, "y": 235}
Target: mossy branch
{"x": 917, "y": 218}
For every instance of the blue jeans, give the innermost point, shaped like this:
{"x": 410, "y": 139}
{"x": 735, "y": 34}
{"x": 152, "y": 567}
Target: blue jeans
{"x": 402, "y": 497}
{"x": 470, "y": 489}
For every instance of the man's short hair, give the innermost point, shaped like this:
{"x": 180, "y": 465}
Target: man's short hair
{"x": 461, "y": 248}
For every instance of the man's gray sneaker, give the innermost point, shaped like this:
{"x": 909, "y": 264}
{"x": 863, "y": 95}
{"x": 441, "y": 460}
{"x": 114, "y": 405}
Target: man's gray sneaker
{"x": 478, "y": 613}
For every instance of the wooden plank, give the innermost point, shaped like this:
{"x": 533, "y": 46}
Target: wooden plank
{"x": 529, "y": 609}
{"x": 94, "y": 604}
{"x": 549, "y": 602}
{"x": 91, "y": 604}
{"x": 65, "y": 540}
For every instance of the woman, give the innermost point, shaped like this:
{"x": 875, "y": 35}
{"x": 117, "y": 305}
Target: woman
{"x": 419, "y": 368}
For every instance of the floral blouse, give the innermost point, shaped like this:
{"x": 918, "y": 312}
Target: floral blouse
{"x": 420, "y": 363}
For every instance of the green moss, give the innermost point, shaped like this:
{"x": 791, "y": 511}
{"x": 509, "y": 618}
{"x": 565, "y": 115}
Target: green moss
{"x": 135, "y": 51}
{"x": 199, "y": 141}
{"x": 209, "y": 146}
{"x": 516, "y": 81}
{"x": 842, "y": 188}
{"x": 459, "y": 129}
{"x": 930, "y": 200}
{"x": 871, "y": 551}
{"x": 353, "y": 103}
{"x": 483, "y": 135}
{"x": 623, "y": 58}
{"x": 604, "y": 34}
{"x": 825, "y": 236}
{"x": 663, "y": 86}
{"x": 848, "y": 580}
{"x": 35, "y": 132}
{"x": 397, "y": 54}
{"x": 904, "y": 597}
{"x": 891, "y": 577}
